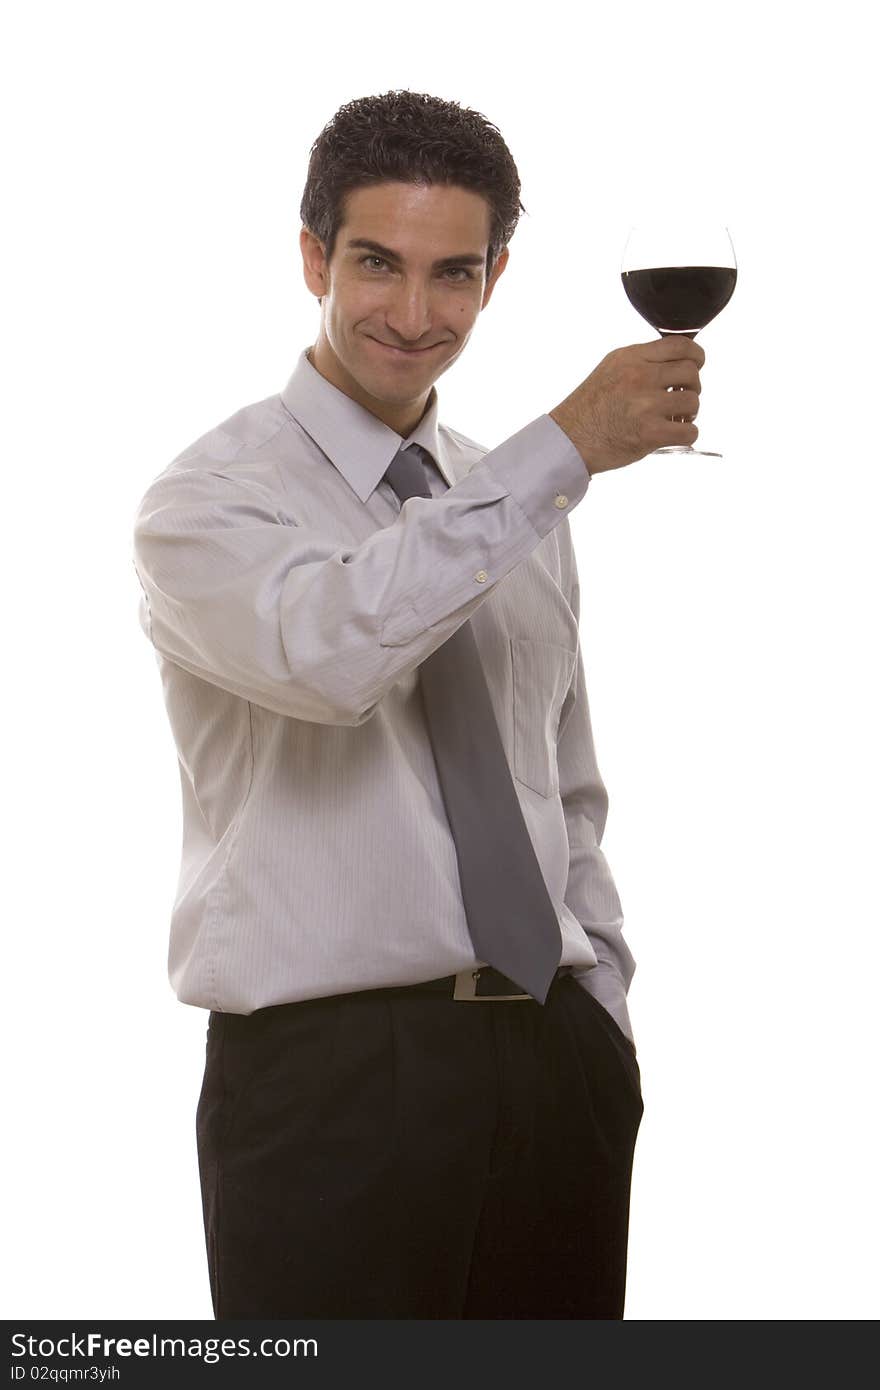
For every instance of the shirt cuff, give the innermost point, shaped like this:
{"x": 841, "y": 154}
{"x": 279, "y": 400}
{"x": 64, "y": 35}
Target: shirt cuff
{"x": 542, "y": 470}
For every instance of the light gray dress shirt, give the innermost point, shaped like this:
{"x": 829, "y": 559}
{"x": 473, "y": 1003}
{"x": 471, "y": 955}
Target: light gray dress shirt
{"x": 290, "y": 600}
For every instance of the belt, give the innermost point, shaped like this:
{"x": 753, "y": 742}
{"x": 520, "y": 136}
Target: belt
{"x": 484, "y": 983}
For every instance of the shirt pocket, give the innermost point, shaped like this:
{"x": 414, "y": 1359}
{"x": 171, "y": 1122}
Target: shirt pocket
{"x": 542, "y": 673}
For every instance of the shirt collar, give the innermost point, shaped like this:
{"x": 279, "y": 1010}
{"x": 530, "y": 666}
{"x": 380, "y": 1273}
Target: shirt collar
{"x": 354, "y": 440}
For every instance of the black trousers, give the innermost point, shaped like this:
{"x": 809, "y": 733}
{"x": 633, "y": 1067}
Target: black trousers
{"x": 396, "y": 1153}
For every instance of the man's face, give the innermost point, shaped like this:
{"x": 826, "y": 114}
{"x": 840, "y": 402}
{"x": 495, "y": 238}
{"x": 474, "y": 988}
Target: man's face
{"x": 392, "y": 324}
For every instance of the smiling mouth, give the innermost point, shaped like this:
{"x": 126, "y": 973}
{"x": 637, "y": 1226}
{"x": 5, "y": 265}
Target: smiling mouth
{"x": 405, "y": 352}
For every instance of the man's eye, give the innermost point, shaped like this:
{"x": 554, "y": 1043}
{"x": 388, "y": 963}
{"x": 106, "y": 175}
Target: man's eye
{"x": 457, "y": 270}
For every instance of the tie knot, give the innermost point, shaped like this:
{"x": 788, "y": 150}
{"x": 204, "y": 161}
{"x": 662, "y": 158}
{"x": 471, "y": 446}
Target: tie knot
{"x": 406, "y": 473}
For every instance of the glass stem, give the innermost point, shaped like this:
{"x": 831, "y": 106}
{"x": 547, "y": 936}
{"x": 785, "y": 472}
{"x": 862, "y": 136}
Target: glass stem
{"x": 666, "y": 333}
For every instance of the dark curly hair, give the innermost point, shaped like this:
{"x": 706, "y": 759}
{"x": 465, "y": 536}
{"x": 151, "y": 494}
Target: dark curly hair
{"x": 409, "y": 137}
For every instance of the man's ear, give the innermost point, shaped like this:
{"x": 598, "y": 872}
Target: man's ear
{"x": 315, "y": 272}
{"x": 497, "y": 270}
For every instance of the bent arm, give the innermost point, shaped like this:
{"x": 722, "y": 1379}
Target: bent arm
{"x": 237, "y": 592}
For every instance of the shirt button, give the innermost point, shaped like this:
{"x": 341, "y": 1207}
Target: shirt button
{"x": 561, "y": 500}
{"x": 481, "y": 576}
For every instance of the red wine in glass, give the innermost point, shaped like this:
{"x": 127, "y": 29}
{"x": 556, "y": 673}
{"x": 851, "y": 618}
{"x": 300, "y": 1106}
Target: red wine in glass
{"x": 679, "y": 279}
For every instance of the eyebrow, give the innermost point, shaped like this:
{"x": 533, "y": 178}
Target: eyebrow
{"x": 364, "y": 244}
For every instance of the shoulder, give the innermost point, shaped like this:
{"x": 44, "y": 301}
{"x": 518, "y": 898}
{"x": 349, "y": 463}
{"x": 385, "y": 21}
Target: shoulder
{"x": 240, "y": 436}
{"x": 230, "y": 460}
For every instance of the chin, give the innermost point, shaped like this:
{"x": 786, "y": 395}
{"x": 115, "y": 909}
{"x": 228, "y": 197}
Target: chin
{"x": 381, "y": 392}
{"x": 388, "y": 385}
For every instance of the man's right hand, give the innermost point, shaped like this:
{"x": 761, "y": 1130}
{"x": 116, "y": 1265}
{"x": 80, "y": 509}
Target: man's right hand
{"x": 624, "y": 409}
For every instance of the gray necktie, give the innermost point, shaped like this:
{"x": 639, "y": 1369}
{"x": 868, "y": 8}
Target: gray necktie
{"x": 511, "y": 919}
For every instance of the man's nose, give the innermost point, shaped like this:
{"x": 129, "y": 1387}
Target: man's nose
{"x": 409, "y": 311}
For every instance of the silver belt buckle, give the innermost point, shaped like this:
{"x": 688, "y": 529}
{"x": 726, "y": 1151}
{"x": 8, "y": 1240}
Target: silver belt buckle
{"x": 466, "y": 988}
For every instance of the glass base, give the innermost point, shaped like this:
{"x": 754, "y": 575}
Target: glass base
{"x": 685, "y": 449}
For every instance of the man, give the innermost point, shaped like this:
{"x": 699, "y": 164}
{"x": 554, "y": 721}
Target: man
{"x": 421, "y": 1093}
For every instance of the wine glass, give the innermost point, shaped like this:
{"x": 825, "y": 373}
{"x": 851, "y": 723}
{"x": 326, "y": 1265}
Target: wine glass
{"x": 678, "y": 275}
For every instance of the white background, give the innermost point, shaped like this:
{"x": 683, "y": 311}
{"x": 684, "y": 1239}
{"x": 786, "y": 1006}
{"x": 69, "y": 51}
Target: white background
{"x": 156, "y": 156}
